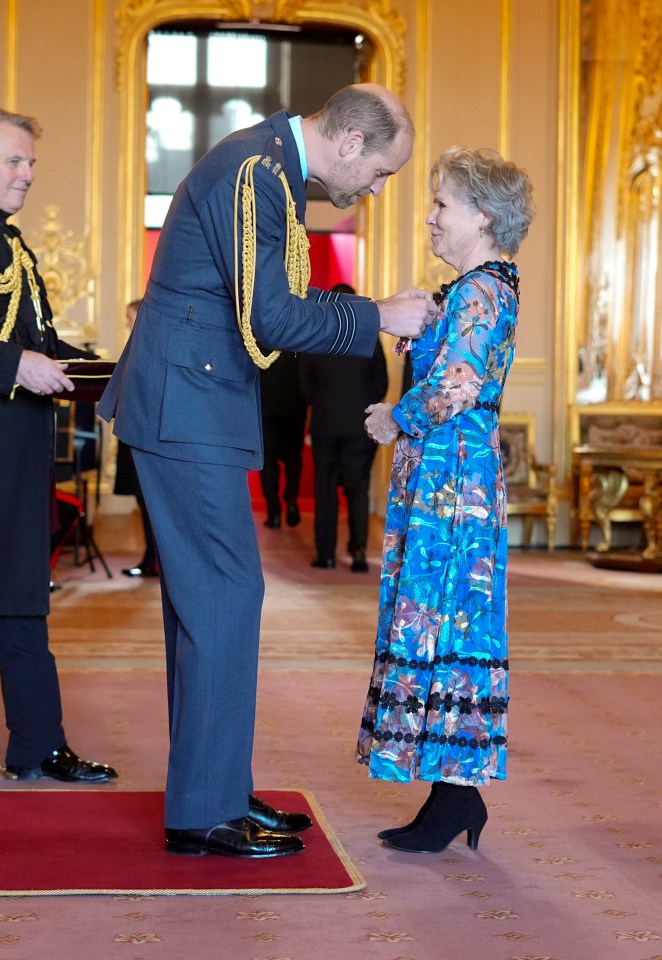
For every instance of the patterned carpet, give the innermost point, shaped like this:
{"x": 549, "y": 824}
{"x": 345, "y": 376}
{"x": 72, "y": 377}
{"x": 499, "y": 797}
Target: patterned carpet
{"x": 570, "y": 864}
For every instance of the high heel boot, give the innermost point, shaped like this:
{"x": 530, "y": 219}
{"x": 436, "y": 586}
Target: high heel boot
{"x": 452, "y": 810}
{"x": 395, "y": 831}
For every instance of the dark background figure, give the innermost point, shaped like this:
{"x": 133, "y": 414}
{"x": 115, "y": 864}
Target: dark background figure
{"x": 127, "y": 484}
{"x": 283, "y": 425}
{"x": 339, "y": 389}
{"x": 29, "y": 376}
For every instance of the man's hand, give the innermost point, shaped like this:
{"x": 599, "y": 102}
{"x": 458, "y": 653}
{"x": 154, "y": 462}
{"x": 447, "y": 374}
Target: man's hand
{"x": 39, "y": 374}
{"x": 407, "y": 314}
{"x": 380, "y": 425}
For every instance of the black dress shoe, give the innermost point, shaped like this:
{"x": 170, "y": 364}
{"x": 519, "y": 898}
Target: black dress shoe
{"x": 273, "y": 522}
{"x": 141, "y": 570}
{"x": 64, "y": 764}
{"x": 292, "y": 514}
{"x": 236, "y": 838}
{"x": 324, "y": 564}
{"x": 359, "y": 562}
{"x": 277, "y": 820}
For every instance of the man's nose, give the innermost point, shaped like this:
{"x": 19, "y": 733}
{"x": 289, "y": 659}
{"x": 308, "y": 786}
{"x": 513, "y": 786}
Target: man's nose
{"x": 27, "y": 173}
{"x": 377, "y": 186}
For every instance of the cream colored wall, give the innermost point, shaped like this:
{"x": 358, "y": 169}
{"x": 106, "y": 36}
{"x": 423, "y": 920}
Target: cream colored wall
{"x": 480, "y": 72}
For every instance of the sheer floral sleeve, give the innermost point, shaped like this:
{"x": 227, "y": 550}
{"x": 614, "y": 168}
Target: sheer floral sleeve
{"x": 456, "y": 377}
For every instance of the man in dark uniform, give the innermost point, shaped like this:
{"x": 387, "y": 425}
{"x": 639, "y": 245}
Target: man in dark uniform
{"x": 338, "y": 390}
{"x": 231, "y": 271}
{"x": 28, "y": 377}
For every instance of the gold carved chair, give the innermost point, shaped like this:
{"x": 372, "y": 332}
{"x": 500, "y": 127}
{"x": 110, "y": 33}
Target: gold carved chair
{"x": 531, "y": 485}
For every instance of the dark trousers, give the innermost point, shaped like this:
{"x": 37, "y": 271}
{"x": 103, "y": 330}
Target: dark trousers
{"x": 283, "y": 443}
{"x": 30, "y": 690}
{"x": 149, "y": 557}
{"x": 346, "y": 462}
{"x": 212, "y": 589}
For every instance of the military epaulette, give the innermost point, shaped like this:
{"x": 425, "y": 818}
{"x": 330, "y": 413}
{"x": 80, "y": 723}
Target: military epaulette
{"x": 272, "y": 158}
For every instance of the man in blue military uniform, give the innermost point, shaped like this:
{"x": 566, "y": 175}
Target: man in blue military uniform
{"x": 29, "y": 376}
{"x": 231, "y": 270}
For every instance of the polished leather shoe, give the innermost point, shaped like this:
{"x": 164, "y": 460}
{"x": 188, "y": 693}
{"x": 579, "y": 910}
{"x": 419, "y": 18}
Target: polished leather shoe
{"x": 324, "y": 564}
{"x": 273, "y": 522}
{"x": 292, "y": 514}
{"x": 359, "y": 562}
{"x": 236, "y": 838}
{"x": 141, "y": 570}
{"x": 277, "y": 820}
{"x": 64, "y": 764}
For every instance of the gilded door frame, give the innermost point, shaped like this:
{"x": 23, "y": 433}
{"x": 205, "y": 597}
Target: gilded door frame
{"x": 135, "y": 18}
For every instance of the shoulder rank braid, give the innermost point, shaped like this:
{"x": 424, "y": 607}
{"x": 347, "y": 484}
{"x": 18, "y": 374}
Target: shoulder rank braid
{"x": 296, "y": 257}
{"x": 11, "y": 285}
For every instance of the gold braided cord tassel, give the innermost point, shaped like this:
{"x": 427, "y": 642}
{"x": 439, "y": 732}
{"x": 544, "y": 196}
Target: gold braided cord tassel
{"x": 11, "y": 283}
{"x": 296, "y": 257}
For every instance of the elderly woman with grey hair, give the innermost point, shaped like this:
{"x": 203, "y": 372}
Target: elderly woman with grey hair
{"x": 437, "y": 704}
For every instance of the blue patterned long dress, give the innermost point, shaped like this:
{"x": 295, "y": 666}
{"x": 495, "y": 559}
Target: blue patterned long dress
{"x": 436, "y": 707}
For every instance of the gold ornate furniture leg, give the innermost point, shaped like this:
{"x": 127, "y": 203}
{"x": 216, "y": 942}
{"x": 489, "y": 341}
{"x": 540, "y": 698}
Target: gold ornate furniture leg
{"x": 585, "y": 484}
{"x": 609, "y": 488}
{"x": 649, "y": 504}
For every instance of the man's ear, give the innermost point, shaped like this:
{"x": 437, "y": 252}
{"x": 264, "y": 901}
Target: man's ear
{"x": 352, "y": 143}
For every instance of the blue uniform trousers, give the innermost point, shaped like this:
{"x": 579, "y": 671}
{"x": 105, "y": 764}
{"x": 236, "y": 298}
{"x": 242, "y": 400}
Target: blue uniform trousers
{"x": 212, "y": 590}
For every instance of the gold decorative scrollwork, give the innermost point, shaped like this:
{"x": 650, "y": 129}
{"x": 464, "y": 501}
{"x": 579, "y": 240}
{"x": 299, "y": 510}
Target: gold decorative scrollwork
{"x": 140, "y": 16}
{"x": 620, "y": 341}
{"x": 64, "y": 268}
{"x": 383, "y": 24}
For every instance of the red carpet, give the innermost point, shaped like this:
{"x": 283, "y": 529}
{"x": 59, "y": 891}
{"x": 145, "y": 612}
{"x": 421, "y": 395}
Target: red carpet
{"x": 103, "y": 841}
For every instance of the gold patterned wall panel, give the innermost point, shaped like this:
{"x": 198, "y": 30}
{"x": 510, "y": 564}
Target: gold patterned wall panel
{"x": 620, "y": 331}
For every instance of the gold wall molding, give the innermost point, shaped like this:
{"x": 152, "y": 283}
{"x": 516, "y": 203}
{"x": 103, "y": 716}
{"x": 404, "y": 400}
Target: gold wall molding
{"x": 94, "y": 183}
{"x": 426, "y": 268}
{"x": 527, "y": 372}
{"x": 504, "y": 79}
{"x": 567, "y": 283}
{"x": 135, "y": 18}
{"x": 11, "y": 80}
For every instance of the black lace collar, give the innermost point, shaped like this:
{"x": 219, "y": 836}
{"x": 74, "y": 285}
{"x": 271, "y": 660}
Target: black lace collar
{"x": 504, "y": 270}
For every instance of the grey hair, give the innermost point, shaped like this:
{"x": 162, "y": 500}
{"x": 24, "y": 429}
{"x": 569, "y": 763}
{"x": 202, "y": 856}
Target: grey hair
{"x": 497, "y": 187}
{"x": 30, "y": 124}
{"x": 361, "y": 107}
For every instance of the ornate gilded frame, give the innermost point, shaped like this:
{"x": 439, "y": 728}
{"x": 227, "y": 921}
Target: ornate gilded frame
{"x": 135, "y": 18}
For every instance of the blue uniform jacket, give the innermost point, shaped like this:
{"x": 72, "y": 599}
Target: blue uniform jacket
{"x": 185, "y": 386}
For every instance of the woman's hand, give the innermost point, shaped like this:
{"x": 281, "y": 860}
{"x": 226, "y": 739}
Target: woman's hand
{"x": 380, "y": 425}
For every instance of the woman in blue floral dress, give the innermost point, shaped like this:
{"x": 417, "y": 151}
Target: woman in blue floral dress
{"x": 437, "y": 704}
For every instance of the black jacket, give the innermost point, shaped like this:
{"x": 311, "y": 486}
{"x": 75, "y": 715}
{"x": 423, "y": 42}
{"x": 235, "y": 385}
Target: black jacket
{"x": 26, "y": 453}
{"x": 339, "y": 389}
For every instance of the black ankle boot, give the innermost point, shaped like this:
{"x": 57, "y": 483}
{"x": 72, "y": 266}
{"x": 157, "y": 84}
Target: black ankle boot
{"x": 396, "y": 831}
{"x": 451, "y": 811}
